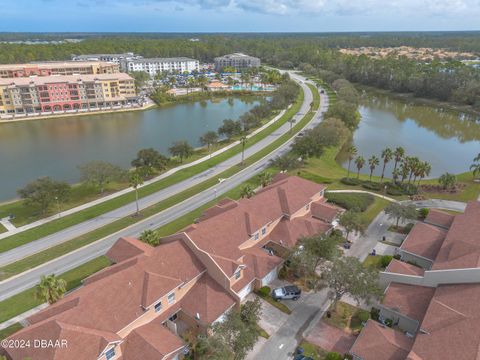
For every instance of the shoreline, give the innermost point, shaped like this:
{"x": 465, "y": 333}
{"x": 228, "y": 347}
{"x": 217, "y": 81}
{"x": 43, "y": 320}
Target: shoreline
{"x": 60, "y": 116}
{"x": 420, "y": 100}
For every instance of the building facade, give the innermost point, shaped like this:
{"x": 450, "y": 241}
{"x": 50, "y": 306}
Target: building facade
{"x": 239, "y": 61}
{"x": 153, "y": 66}
{"x": 57, "y": 93}
{"x": 140, "y": 307}
{"x": 119, "y": 59}
{"x": 58, "y": 68}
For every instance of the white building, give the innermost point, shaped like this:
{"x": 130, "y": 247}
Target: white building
{"x": 115, "y": 58}
{"x": 155, "y": 65}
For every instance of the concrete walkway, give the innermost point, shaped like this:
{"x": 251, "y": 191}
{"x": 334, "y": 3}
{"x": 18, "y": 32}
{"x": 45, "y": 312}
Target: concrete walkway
{"x": 15, "y": 230}
{"x": 7, "y": 224}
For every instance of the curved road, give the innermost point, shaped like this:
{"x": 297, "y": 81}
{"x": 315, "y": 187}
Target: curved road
{"x": 71, "y": 260}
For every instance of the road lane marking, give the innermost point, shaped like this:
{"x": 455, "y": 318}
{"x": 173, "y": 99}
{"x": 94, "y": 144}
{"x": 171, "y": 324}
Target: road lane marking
{"x": 281, "y": 346}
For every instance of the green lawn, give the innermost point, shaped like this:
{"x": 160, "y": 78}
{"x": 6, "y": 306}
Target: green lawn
{"x": 68, "y": 246}
{"x": 67, "y": 221}
{"x": 2, "y": 229}
{"x": 374, "y": 209}
{"x": 26, "y": 300}
{"x": 10, "y": 330}
{"x": 312, "y": 350}
{"x": 346, "y": 317}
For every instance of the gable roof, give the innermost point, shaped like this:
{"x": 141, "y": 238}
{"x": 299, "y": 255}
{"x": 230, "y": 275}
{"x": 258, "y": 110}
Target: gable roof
{"x": 378, "y": 342}
{"x": 324, "y": 211}
{"x": 401, "y": 267}
{"x": 288, "y": 232}
{"x": 424, "y": 240}
{"x": 461, "y": 248}
{"x": 410, "y": 300}
{"x": 439, "y": 218}
{"x": 451, "y": 326}
{"x": 126, "y": 248}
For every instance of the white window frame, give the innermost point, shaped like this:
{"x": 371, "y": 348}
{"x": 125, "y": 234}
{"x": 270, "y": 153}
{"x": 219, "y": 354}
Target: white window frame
{"x": 171, "y": 297}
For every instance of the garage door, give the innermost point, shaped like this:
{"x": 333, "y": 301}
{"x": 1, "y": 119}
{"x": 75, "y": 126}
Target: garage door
{"x": 245, "y": 291}
{"x": 272, "y": 275}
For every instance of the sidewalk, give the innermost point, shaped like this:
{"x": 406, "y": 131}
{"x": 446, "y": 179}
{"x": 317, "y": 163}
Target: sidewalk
{"x": 15, "y": 230}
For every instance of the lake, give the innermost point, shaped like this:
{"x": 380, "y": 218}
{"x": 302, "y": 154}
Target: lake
{"x": 447, "y": 139}
{"x": 55, "y": 147}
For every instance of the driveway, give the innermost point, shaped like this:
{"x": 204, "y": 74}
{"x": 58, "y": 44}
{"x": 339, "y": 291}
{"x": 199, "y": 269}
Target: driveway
{"x": 271, "y": 318}
{"x": 439, "y": 204}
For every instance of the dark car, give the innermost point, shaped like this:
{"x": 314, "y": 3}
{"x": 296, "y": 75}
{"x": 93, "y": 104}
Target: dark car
{"x": 286, "y": 293}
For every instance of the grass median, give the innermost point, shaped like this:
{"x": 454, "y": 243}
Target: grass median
{"x": 94, "y": 211}
{"x": 85, "y": 239}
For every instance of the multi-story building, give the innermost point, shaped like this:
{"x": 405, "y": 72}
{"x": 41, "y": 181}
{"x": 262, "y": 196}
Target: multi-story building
{"x": 140, "y": 307}
{"x": 64, "y": 93}
{"x": 239, "y": 61}
{"x": 431, "y": 294}
{"x": 58, "y": 68}
{"x": 153, "y": 66}
{"x": 115, "y": 58}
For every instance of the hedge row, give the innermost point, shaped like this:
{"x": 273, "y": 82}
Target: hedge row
{"x": 359, "y": 202}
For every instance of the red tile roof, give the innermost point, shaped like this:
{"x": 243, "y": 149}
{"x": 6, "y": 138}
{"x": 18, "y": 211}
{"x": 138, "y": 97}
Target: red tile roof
{"x": 452, "y": 325}
{"x": 461, "y": 248}
{"x": 424, "y": 240}
{"x": 208, "y": 299}
{"x": 400, "y": 267}
{"x": 261, "y": 262}
{"x": 288, "y": 232}
{"x": 377, "y": 342}
{"x": 324, "y": 211}
{"x": 439, "y": 218}
{"x": 410, "y": 300}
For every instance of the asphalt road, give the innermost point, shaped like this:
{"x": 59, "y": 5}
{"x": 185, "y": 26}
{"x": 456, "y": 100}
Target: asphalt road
{"x": 121, "y": 212}
{"x": 71, "y": 260}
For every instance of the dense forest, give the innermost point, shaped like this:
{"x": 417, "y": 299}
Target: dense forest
{"x": 316, "y": 53}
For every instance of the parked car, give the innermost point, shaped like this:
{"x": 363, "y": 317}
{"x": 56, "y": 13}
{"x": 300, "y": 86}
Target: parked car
{"x": 290, "y": 292}
{"x": 299, "y": 355}
{"x": 347, "y": 245}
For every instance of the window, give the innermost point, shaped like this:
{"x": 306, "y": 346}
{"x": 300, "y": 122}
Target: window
{"x": 110, "y": 354}
{"x": 264, "y": 231}
{"x": 158, "y": 306}
{"x": 238, "y": 274}
{"x": 171, "y": 298}
{"x": 307, "y": 207}
{"x": 256, "y": 236}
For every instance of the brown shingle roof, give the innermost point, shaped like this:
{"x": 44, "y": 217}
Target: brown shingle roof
{"x": 150, "y": 341}
{"x": 324, "y": 211}
{"x": 288, "y": 232}
{"x": 461, "y": 248}
{"x": 377, "y": 342}
{"x": 260, "y": 261}
{"x": 424, "y": 240}
{"x": 439, "y": 218}
{"x": 452, "y": 325}
{"x": 126, "y": 248}
{"x": 400, "y": 267}
{"x": 208, "y": 299}
{"x": 410, "y": 300}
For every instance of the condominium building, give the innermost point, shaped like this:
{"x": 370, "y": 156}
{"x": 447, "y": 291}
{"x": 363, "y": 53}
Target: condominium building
{"x": 239, "y": 61}
{"x": 153, "y": 66}
{"x": 431, "y": 294}
{"x": 58, "y": 68}
{"x": 64, "y": 93}
{"x": 106, "y": 57}
{"x": 140, "y": 307}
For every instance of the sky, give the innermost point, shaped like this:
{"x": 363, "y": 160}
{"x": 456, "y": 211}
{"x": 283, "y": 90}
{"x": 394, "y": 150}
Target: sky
{"x": 238, "y": 15}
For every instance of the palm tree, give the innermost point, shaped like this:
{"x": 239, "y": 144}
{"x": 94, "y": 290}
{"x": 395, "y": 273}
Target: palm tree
{"x": 424, "y": 171}
{"x": 359, "y": 162}
{"x": 190, "y": 84}
{"x": 247, "y": 192}
{"x": 475, "y": 167}
{"x": 373, "y": 162}
{"x": 387, "y": 155}
{"x": 352, "y": 152}
{"x": 243, "y": 140}
{"x": 50, "y": 289}
{"x": 413, "y": 163}
{"x": 135, "y": 181}
{"x": 265, "y": 179}
{"x": 398, "y": 155}
{"x": 395, "y": 175}
{"x": 404, "y": 170}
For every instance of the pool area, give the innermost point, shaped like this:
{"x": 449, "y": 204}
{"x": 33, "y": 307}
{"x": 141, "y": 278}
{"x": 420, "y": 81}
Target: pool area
{"x": 254, "y": 88}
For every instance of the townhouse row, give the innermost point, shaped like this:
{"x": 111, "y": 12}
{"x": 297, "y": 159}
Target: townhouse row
{"x": 140, "y": 307}
{"x": 431, "y": 294}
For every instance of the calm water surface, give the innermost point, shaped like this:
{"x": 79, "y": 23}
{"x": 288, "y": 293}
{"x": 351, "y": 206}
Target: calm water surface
{"x": 447, "y": 139}
{"x": 56, "y": 147}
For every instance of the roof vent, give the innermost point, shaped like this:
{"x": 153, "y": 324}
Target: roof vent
{"x": 197, "y": 316}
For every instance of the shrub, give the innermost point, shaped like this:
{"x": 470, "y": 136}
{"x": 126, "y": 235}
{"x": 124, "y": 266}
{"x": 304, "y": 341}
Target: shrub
{"x": 410, "y": 189}
{"x": 264, "y": 291}
{"x": 315, "y": 178}
{"x": 374, "y": 313}
{"x": 423, "y": 213}
{"x": 407, "y": 228}
{"x": 385, "y": 260}
{"x": 370, "y": 185}
{"x": 282, "y": 273}
{"x": 350, "y": 181}
{"x": 363, "y": 316}
{"x": 394, "y": 191}
{"x": 397, "y": 256}
{"x": 358, "y": 202}
{"x": 389, "y": 322}
{"x": 333, "y": 356}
